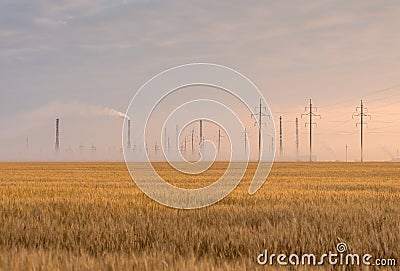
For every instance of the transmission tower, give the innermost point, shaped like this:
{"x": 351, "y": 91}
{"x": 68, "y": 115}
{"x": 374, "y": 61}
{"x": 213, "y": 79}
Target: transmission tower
{"x": 245, "y": 141}
{"x": 176, "y": 137}
{"x": 311, "y": 114}
{"x": 201, "y": 131}
{"x": 361, "y": 109}
{"x": 57, "y": 145}
{"x": 156, "y": 148}
{"x": 165, "y": 139}
{"x": 260, "y": 114}
{"x": 297, "y": 138}
{"x": 280, "y": 137}
{"x": 192, "y": 135}
{"x": 129, "y": 134}
{"x": 219, "y": 140}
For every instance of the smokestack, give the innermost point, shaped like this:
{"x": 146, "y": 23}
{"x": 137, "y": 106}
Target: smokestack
{"x": 129, "y": 133}
{"x": 57, "y": 147}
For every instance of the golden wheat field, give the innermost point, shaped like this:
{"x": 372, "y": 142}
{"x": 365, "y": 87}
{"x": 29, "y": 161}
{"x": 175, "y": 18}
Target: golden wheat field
{"x": 91, "y": 216}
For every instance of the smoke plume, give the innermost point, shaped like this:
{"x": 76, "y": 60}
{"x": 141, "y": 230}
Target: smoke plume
{"x": 72, "y": 109}
{"x": 112, "y": 112}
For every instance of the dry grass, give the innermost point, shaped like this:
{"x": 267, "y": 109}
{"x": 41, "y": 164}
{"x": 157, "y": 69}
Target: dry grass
{"x": 91, "y": 216}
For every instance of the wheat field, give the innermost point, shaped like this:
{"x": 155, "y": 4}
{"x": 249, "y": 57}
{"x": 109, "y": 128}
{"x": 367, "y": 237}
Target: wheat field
{"x": 91, "y": 216}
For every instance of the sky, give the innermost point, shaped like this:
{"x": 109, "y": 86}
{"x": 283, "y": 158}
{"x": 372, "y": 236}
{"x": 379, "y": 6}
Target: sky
{"x": 79, "y": 60}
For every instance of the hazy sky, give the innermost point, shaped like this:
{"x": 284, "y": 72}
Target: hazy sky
{"x": 69, "y": 59}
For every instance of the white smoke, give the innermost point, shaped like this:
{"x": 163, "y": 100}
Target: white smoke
{"x": 112, "y": 112}
{"x": 72, "y": 109}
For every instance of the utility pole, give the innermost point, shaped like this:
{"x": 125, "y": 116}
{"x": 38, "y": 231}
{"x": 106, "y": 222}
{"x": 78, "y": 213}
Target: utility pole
{"x": 129, "y": 134}
{"x": 192, "y": 140}
{"x": 297, "y": 138}
{"x": 311, "y": 114}
{"x": 201, "y": 132}
{"x": 260, "y": 114}
{"x": 346, "y": 152}
{"x": 245, "y": 141}
{"x": 361, "y": 109}
{"x": 272, "y": 144}
{"x": 176, "y": 137}
{"x": 27, "y": 143}
{"x": 165, "y": 138}
{"x": 219, "y": 139}
{"x": 280, "y": 137}
{"x": 156, "y": 148}
{"x": 57, "y": 145}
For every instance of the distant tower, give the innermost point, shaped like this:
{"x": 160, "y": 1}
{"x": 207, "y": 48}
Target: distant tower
{"x": 297, "y": 138}
{"x": 192, "y": 141}
{"x": 165, "y": 139}
{"x": 57, "y": 147}
{"x": 280, "y": 137}
{"x": 176, "y": 137}
{"x": 201, "y": 131}
{"x": 129, "y": 134}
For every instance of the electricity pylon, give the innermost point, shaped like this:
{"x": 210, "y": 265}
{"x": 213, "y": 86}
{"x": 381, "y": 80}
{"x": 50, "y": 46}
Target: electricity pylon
{"x": 361, "y": 109}
{"x": 311, "y": 114}
{"x": 260, "y": 114}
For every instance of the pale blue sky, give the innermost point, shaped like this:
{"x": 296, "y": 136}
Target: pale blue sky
{"x": 98, "y": 53}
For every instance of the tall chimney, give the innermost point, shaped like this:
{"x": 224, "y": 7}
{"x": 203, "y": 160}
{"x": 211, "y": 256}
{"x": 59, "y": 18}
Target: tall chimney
{"x": 129, "y": 134}
{"x": 57, "y": 147}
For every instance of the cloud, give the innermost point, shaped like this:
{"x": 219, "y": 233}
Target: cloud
{"x": 332, "y": 51}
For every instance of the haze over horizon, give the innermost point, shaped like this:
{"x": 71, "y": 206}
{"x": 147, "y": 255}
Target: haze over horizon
{"x": 75, "y": 59}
